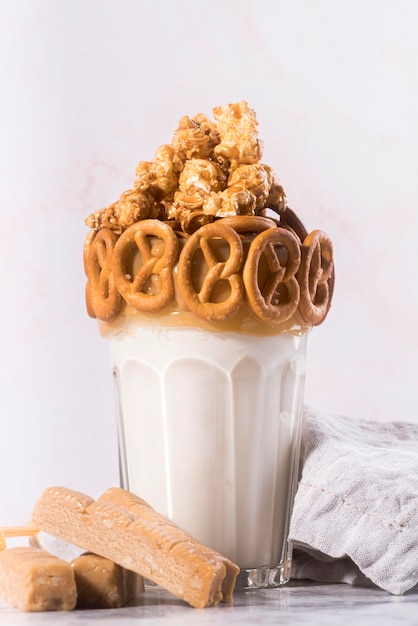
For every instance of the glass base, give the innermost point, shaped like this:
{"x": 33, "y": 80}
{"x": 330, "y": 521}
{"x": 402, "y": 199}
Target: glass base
{"x": 263, "y": 577}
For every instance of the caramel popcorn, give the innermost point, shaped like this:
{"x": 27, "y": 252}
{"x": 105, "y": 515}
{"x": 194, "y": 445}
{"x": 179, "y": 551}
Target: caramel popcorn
{"x": 158, "y": 177}
{"x": 277, "y": 198}
{"x": 210, "y": 170}
{"x": 132, "y": 206}
{"x": 255, "y": 178}
{"x": 198, "y": 179}
{"x": 232, "y": 201}
{"x": 237, "y": 126}
{"x": 195, "y": 138}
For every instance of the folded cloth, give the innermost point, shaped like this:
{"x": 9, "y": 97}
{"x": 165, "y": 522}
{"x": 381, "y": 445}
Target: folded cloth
{"x": 355, "y": 516}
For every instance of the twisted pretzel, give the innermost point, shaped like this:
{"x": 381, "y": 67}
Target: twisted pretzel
{"x": 277, "y": 298}
{"x": 248, "y": 223}
{"x": 316, "y": 277}
{"x": 201, "y": 301}
{"x": 133, "y": 287}
{"x": 102, "y": 297}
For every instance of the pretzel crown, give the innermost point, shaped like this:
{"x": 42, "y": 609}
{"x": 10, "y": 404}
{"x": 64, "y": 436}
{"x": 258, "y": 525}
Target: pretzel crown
{"x": 206, "y": 225}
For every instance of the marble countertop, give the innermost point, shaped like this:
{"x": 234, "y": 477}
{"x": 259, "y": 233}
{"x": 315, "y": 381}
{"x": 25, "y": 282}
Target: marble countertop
{"x": 297, "y": 603}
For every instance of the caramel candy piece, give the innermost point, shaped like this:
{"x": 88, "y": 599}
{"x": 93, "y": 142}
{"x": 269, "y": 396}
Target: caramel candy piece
{"x": 31, "y": 579}
{"x": 102, "y": 584}
{"x": 151, "y": 548}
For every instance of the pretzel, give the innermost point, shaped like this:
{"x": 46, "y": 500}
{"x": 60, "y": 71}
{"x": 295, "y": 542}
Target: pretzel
{"x": 277, "y": 298}
{"x": 133, "y": 288}
{"x": 199, "y": 300}
{"x": 289, "y": 219}
{"x": 316, "y": 277}
{"x": 102, "y": 297}
{"x": 248, "y": 223}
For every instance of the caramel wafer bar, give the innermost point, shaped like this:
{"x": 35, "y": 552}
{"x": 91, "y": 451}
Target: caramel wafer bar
{"x": 139, "y": 507}
{"x": 151, "y": 547}
{"x": 31, "y": 579}
{"x": 101, "y": 583}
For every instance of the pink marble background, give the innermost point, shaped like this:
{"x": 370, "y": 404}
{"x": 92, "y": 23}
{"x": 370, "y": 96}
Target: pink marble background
{"x": 89, "y": 88}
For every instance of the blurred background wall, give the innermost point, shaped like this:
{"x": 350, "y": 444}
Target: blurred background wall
{"x": 90, "y": 87}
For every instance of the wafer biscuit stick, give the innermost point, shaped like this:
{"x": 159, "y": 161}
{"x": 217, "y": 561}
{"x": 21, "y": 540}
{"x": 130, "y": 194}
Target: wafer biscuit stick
{"x": 155, "y": 550}
{"x": 139, "y": 507}
{"x": 31, "y": 579}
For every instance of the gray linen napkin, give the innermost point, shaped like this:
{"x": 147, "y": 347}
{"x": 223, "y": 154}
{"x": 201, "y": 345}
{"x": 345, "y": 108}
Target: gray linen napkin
{"x": 355, "y": 516}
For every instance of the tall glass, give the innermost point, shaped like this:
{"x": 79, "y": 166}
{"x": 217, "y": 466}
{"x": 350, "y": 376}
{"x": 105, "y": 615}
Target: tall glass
{"x": 209, "y": 433}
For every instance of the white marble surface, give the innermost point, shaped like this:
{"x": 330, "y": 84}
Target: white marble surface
{"x": 297, "y": 603}
{"x": 90, "y": 88}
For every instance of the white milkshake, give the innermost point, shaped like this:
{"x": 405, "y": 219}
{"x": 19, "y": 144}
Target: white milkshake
{"x": 209, "y": 429}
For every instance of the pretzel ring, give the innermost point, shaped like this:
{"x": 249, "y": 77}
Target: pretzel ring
{"x": 316, "y": 277}
{"x": 102, "y": 297}
{"x": 277, "y": 298}
{"x": 133, "y": 287}
{"x": 201, "y": 301}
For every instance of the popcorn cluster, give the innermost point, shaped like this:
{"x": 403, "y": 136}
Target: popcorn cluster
{"x": 211, "y": 169}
